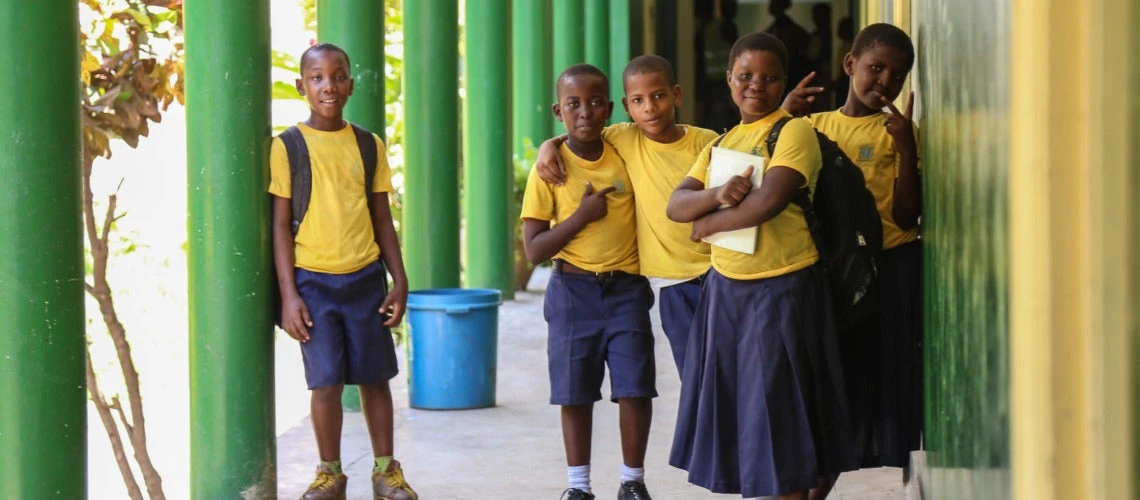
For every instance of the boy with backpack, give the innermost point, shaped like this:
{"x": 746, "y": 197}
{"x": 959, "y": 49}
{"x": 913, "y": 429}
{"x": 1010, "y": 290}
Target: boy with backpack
{"x": 333, "y": 239}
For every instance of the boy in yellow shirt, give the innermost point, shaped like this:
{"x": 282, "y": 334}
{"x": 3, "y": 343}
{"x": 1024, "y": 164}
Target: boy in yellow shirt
{"x": 658, "y": 153}
{"x": 331, "y": 272}
{"x": 596, "y": 306}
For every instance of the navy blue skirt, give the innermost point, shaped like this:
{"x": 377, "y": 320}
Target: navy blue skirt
{"x": 882, "y": 360}
{"x": 762, "y": 409}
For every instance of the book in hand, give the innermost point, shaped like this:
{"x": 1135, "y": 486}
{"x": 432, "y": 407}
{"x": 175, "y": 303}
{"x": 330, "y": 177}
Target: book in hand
{"x": 723, "y": 164}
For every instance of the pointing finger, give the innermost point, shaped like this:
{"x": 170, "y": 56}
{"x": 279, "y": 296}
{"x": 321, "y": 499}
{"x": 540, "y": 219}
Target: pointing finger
{"x": 890, "y": 105}
{"x": 607, "y": 190}
{"x": 805, "y": 81}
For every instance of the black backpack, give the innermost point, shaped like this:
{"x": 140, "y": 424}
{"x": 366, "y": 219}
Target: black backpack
{"x": 845, "y": 225}
{"x": 301, "y": 180}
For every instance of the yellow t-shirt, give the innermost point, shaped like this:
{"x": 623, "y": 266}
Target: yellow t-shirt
{"x": 336, "y": 235}
{"x": 656, "y": 168}
{"x": 608, "y": 244}
{"x": 784, "y": 243}
{"x": 866, "y": 142}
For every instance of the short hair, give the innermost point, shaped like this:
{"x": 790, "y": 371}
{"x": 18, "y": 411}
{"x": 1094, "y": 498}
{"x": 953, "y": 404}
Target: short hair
{"x": 884, "y": 34}
{"x": 579, "y": 70}
{"x": 759, "y": 41}
{"x": 648, "y": 64}
{"x": 311, "y": 52}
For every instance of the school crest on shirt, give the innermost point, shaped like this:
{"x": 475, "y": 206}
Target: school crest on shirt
{"x": 866, "y": 151}
{"x": 756, "y": 151}
{"x": 619, "y": 186}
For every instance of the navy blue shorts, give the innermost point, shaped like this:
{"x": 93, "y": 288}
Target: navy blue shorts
{"x": 348, "y": 342}
{"x": 678, "y": 304}
{"x": 593, "y": 322}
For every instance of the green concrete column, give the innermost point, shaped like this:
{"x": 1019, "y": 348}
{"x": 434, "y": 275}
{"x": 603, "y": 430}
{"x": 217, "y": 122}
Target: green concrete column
{"x": 43, "y": 401}
{"x": 488, "y": 170}
{"x": 597, "y": 29}
{"x": 357, "y": 26}
{"x": 619, "y": 52}
{"x": 431, "y": 143}
{"x": 532, "y": 87}
{"x": 232, "y": 438}
{"x": 569, "y": 46}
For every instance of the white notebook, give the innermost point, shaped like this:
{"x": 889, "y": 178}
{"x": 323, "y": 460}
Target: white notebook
{"x": 723, "y": 164}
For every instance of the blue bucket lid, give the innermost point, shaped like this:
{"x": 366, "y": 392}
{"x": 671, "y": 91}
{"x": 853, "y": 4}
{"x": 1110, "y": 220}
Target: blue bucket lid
{"x": 441, "y": 297}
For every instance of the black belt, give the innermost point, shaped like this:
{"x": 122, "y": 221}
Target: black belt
{"x": 561, "y": 266}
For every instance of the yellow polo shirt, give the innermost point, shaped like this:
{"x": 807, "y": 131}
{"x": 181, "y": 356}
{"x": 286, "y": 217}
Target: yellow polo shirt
{"x": 608, "y": 244}
{"x": 784, "y": 243}
{"x": 656, "y": 168}
{"x": 866, "y": 142}
{"x": 336, "y": 235}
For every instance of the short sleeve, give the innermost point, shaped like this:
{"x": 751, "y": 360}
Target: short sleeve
{"x": 382, "y": 181}
{"x": 538, "y": 199}
{"x": 797, "y": 149}
{"x": 280, "y": 183}
{"x": 700, "y": 169}
{"x": 621, "y": 135}
{"x": 918, "y": 143}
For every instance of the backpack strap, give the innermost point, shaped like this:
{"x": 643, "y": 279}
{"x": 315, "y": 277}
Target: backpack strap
{"x": 369, "y": 154}
{"x": 300, "y": 174}
{"x": 803, "y": 195}
{"x": 718, "y": 139}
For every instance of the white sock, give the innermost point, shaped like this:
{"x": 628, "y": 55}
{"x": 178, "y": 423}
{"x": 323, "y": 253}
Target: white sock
{"x": 632, "y": 473}
{"x": 579, "y": 477}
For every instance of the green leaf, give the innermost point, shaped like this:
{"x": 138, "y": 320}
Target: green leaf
{"x": 140, "y": 17}
{"x": 285, "y": 61}
{"x": 282, "y": 90}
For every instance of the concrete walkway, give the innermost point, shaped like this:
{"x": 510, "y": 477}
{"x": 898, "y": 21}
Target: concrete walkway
{"x": 511, "y": 451}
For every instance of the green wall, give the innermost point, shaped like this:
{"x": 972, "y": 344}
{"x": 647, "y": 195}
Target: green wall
{"x": 963, "y": 81}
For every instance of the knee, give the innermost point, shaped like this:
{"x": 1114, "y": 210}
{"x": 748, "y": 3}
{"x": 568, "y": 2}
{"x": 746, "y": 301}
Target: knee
{"x": 378, "y": 389}
{"x": 328, "y": 394}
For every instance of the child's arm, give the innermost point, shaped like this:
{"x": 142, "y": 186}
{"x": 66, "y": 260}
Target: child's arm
{"x": 295, "y": 318}
{"x": 542, "y": 242}
{"x": 691, "y": 201}
{"x": 779, "y": 187}
{"x": 549, "y": 163}
{"x": 395, "y": 303}
{"x": 908, "y": 191}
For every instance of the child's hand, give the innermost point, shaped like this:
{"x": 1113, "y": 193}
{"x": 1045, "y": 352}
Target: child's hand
{"x": 549, "y": 164}
{"x": 394, "y": 305}
{"x": 295, "y": 318}
{"x": 798, "y": 102}
{"x": 700, "y": 230}
{"x": 730, "y": 193}
{"x": 593, "y": 206}
{"x": 899, "y": 126}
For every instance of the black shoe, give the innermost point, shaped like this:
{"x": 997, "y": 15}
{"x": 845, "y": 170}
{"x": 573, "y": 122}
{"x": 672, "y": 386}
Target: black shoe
{"x": 576, "y": 494}
{"x": 633, "y": 490}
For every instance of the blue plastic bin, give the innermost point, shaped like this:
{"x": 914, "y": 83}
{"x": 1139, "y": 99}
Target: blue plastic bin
{"x": 453, "y": 350}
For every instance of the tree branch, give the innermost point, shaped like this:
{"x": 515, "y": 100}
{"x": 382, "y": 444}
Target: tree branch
{"x": 104, "y": 411}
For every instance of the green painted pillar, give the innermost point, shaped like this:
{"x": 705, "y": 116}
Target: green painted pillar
{"x": 43, "y": 400}
{"x": 232, "y": 438}
{"x": 597, "y": 28}
{"x": 619, "y": 53}
{"x": 357, "y": 26}
{"x": 569, "y": 46}
{"x": 431, "y": 143}
{"x": 488, "y": 170}
{"x": 532, "y": 89}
